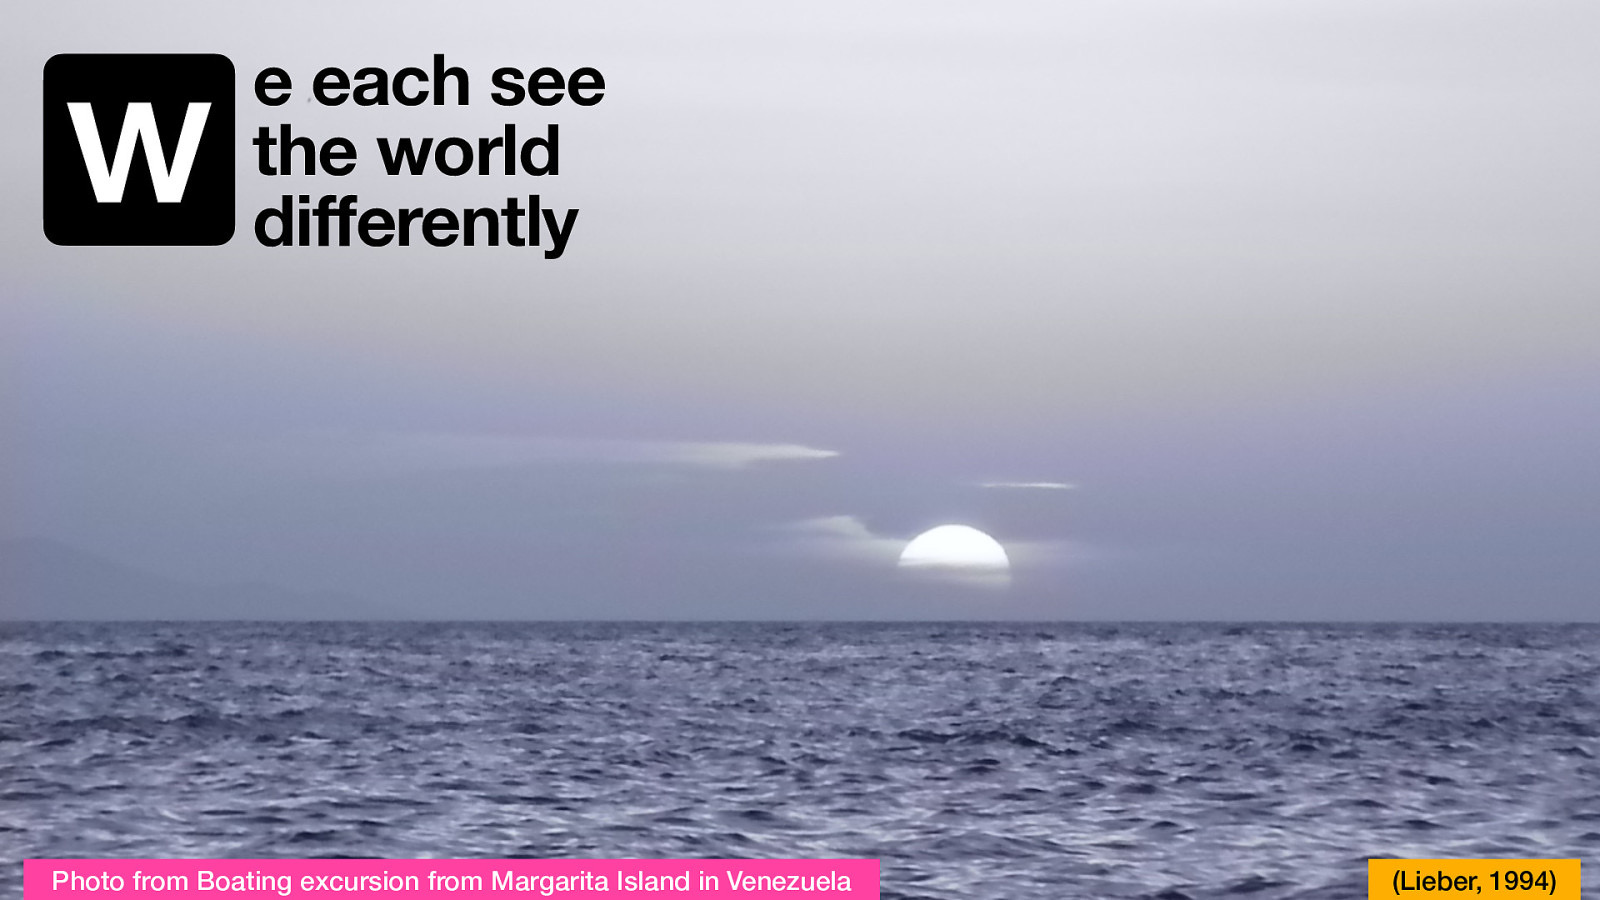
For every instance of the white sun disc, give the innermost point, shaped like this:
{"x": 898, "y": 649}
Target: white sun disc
{"x": 955, "y": 547}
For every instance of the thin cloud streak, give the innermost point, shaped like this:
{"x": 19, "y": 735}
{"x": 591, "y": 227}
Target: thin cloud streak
{"x": 391, "y": 453}
{"x": 842, "y": 537}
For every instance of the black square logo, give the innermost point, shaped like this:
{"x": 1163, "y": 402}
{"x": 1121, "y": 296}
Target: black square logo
{"x": 138, "y": 148}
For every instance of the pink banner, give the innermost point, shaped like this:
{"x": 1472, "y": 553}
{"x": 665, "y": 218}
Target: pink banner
{"x": 149, "y": 879}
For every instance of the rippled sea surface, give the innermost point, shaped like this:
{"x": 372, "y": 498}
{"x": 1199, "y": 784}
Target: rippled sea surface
{"x": 976, "y": 760}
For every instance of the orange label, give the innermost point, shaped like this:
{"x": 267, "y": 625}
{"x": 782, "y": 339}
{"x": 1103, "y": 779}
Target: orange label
{"x": 1415, "y": 879}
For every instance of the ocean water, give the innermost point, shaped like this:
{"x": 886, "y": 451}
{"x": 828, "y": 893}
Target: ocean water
{"x": 976, "y": 760}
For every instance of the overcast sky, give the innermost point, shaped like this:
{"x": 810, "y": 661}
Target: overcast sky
{"x": 1301, "y": 301}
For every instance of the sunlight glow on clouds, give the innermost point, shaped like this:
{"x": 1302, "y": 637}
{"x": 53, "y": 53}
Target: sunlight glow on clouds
{"x": 846, "y": 537}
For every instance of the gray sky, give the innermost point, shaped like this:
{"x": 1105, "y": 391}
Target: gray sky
{"x": 1300, "y": 298}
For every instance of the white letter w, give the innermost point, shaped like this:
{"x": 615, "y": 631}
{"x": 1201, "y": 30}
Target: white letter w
{"x": 138, "y": 124}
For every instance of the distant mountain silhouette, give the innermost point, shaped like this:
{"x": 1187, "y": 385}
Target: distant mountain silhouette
{"x": 42, "y": 579}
